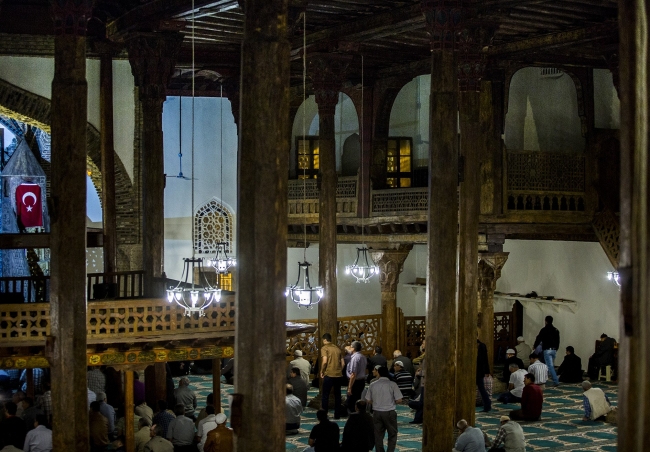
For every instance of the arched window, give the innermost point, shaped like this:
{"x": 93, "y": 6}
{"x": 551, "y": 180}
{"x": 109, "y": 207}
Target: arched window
{"x": 213, "y": 223}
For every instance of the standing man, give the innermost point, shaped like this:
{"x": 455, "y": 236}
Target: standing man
{"x": 549, "y": 337}
{"x": 539, "y": 369}
{"x": 331, "y": 373}
{"x": 383, "y": 394}
{"x": 302, "y": 364}
{"x": 186, "y": 397}
{"x": 356, "y": 373}
{"x": 482, "y": 371}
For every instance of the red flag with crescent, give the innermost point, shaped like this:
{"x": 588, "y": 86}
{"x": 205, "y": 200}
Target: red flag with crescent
{"x": 29, "y": 206}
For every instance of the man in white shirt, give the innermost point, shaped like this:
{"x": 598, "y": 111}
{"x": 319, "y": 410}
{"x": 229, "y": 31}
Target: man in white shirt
{"x": 40, "y": 438}
{"x": 515, "y": 385}
{"x": 206, "y": 424}
{"x": 539, "y": 369}
{"x": 383, "y": 394}
{"x": 293, "y": 410}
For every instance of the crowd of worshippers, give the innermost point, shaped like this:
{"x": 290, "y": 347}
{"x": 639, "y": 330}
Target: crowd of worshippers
{"x": 373, "y": 387}
{"x": 173, "y": 425}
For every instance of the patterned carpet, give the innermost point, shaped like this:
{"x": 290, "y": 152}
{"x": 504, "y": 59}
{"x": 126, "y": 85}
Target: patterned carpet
{"x": 561, "y": 427}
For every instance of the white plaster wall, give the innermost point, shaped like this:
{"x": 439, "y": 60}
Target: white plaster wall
{"x": 207, "y": 157}
{"x": 607, "y": 106}
{"x": 543, "y": 113}
{"x": 571, "y": 270}
{"x": 354, "y": 298}
{"x": 35, "y": 75}
{"x": 409, "y": 116}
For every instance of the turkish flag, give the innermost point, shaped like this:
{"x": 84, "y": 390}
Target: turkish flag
{"x": 29, "y": 207}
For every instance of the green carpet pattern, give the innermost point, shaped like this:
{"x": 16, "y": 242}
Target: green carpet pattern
{"x": 560, "y": 429}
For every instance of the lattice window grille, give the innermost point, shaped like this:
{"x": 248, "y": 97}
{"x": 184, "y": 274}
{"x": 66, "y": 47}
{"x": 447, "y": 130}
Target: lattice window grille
{"x": 546, "y": 171}
{"x": 213, "y": 223}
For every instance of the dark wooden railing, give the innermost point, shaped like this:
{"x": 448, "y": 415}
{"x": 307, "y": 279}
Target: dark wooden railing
{"x": 99, "y": 286}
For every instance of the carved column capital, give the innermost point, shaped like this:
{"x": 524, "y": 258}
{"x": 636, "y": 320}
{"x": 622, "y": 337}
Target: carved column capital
{"x": 71, "y": 16}
{"x": 471, "y": 44}
{"x": 153, "y": 57}
{"x": 489, "y": 270}
{"x": 443, "y": 18}
{"x": 328, "y": 72}
{"x": 391, "y": 264}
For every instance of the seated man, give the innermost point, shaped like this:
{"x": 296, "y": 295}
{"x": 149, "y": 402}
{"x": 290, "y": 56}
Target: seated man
{"x": 324, "y": 436}
{"x": 299, "y": 385}
{"x": 604, "y": 356}
{"x": 417, "y": 404}
{"x": 570, "y": 371}
{"x": 595, "y": 402}
{"x": 293, "y": 410}
{"x": 302, "y": 364}
{"x": 470, "y": 439}
{"x": 511, "y": 435}
{"x": 221, "y": 438}
{"x": 539, "y": 370}
{"x": 407, "y": 364}
{"x": 181, "y": 431}
{"x": 515, "y": 385}
{"x": 511, "y": 358}
{"x": 403, "y": 379}
{"x": 531, "y": 401}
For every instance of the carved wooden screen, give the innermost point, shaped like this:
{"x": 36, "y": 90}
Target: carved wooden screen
{"x": 414, "y": 330}
{"x": 508, "y": 326}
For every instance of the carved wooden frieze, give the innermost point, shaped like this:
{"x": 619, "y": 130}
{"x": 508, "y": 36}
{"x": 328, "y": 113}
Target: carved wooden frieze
{"x": 328, "y": 74}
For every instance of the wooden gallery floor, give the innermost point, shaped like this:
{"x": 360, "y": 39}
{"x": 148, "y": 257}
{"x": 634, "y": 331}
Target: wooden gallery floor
{"x": 561, "y": 427}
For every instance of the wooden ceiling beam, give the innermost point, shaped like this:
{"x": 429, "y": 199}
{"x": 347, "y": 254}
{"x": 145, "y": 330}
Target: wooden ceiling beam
{"x": 563, "y": 38}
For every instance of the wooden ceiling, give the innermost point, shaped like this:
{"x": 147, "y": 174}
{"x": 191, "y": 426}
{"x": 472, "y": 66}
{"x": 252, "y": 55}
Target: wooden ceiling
{"x": 391, "y": 35}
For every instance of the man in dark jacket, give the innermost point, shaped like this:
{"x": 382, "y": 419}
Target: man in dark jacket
{"x": 604, "y": 356}
{"x": 549, "y": 337}
{"x": 482, "y": 371}
{"x": 511, "y": 358}
{"x": 570, "y": 371}
{"x": 358, "y": 433}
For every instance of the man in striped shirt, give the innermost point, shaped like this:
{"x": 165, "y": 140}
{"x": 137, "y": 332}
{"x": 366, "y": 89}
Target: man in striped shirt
{"x": 539, "y": 369}
{"x": 403, "y": 379}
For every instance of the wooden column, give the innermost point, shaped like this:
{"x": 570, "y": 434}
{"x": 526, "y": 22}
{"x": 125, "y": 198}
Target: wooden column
{"x": 29, "y": 373}
{"x": 489, "y": 271}
{"x": 67, "y": 343}
{"x": 216, "y": 383}
{"x": 262, "y": 228}
{"x": 634, "y": 257}
{"x": 106, "y": 50}
{"x": 391, "y": 263}
{"x": 440, "y": 364}
{"x": 155, "y": 378}
{"x": 473, "y": 144}
{"x": 128, "y": 411}
{"x": 152, "y": 57}
{"x": 327, "y": 74}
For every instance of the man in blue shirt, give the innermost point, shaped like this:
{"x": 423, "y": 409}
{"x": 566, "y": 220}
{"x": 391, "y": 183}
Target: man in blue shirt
{"x": 356, "y": 373}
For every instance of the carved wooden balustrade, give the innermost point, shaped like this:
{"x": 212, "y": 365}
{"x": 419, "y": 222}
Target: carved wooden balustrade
{"x": 399, "y": 201}
{"x": 364, "y": 328}
{"x": 116, "y": 321}
{"x": 552, "y": 181}
{"x": 303, "y": 197}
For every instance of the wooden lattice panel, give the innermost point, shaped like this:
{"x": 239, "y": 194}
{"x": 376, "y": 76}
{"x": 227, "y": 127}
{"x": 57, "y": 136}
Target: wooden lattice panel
{"x": 400, "y": 201}
{"x": 415, "y": 332}
{"x": 502, "y": 326}
{"x": 25, "y": 321}
{"x": 153, "y": 317}
{"x": 546, "y": 171}
{"x": 307, "y": 343}
{"x": 608, "y": 231}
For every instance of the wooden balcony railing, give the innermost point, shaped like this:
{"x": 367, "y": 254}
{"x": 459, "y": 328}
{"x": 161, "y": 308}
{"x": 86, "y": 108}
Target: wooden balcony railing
{"x": 542, "y": 181}
{"x": 303, "y": 197}
{"x": 30, "y": 289}
{"x": 399, "y": 201}
{"x": 30, "y": 322}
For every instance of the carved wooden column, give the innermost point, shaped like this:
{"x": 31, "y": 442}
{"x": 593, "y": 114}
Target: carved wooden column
{"x": 67, "y": 343}
{"x": 473, "y": 142}
{"x": 106, "y": 51}
{"x": 439, "y": 403}
{"x": 634, "y": 257}
{"x": 128, "y": 411}
{"x": 327, "y": 74}
{"x": 262, "y": 229}
{"x": 152, "y": 57}
{"x": 489, "y": 271}
{"x": 391, "y": 263}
